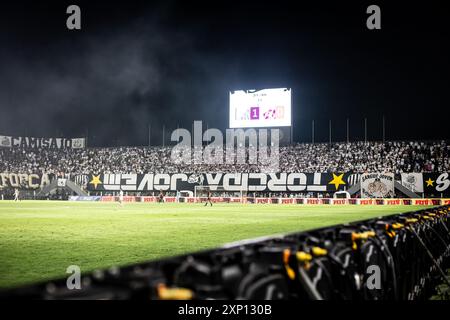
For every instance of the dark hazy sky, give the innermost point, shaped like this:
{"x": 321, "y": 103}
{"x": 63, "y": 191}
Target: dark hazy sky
{"x": 139, "y": 63}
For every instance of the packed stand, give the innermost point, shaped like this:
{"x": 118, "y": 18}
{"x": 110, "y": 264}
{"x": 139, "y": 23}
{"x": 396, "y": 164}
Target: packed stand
{"x": 356, "y": 157}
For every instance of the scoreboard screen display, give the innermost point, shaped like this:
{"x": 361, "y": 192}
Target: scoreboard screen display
{"x": 260, "y": 108}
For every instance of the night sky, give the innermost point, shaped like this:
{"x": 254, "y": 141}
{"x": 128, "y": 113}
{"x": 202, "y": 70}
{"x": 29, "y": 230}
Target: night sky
{"x": 171, "y": 62}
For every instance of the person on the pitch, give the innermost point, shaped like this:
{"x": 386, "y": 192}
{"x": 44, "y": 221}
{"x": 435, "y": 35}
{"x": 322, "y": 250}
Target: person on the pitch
{"x": 16, "y": 194}
{"x": 121, "y": 197}
{"x": 208, "y": 199}
{"x": 161, "y": 197}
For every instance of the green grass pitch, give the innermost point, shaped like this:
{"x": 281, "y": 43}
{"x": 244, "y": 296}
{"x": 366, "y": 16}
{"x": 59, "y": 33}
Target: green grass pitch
{"x": 40, "y": 239}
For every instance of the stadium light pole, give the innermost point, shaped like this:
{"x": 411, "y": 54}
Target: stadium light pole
{"x": 87, "y": 136}
{"x": 149, "y": 134}
{"x": 292, "y": 120}
{"x": 330, "y": 131}
{"x": 365, "y": 130}
{"x": 163, "y": 135}
{"x": 348, "y": 130}
{"x": 384, "y": 130}
{"x": 292, "y": 134}
{"x": 312, "y": 131}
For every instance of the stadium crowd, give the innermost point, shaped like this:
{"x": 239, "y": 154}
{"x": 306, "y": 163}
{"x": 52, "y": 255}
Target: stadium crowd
{"x": 356, "y": 157}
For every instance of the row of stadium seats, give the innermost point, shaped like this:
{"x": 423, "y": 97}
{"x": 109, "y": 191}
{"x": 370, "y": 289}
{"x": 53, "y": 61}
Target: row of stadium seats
{"x": 357, "y": 157}
{"x": 397, "y": 257}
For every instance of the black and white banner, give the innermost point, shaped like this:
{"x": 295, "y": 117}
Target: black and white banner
{"x": 232, "y": 182}
{"x": 377, "y": 185}
{"x": 372, "y": 184}
{"x": 32, "y": 142}
{"x": 436, "y": 184}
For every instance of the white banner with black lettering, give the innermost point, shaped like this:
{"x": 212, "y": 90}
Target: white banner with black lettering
{"x": 32, "y": 142}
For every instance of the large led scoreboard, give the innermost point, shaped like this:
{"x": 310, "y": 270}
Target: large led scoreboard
{"x": 260, "y": 108}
